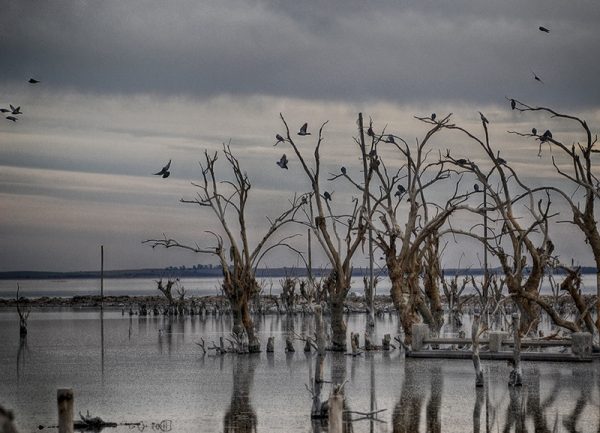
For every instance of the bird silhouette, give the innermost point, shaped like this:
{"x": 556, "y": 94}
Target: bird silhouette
{"x": 513, "y": 104}
{"x": 483, "y": 118}
{"x": 33, "y": 81}
{"x": 390, "y": 139}
{"x": 546, "y": 135}
{"x": 327, "y": 196}
{"x": 279, "y": 139}
{"x": 536, "y": 78}
{"x": 401, "y": 189}
{"x": 476, "y": 187}
{"x": 13, "y": 118}
{"x": 283, "y": 161}
{"x": 500, "y": 161}
{"x": 303, "y": 130}
{"x": 4, "y": 110}
{"x": 370, "y": 132}
{"x": 343, "y": 170}
{"x": 544, "y": 29}
{"x": 16, "y": 110}
{"x": 461, "y": 161}
{"x": 433, "y": 116}
{"x": 164, "y": 172}
{"x": 534, "y": 131}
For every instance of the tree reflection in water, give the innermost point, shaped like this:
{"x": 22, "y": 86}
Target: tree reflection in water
{"x": 406, "y": 417}
{"x": 240, "y": 416}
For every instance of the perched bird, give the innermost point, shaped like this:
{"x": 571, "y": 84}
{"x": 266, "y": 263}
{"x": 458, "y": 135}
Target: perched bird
{"x": 461, "y": 161}
{"x": 33, "y": 81}
{"x": 390, "y": 139}
{"x": 546, "y": 135}
{"x": 483, "y": 118}
{"x": 544, "y": 29}
{"x": 303, "y": 130}
{"x": 343, "y": 170}
{"x": 4, "y": 110}
{"x": 304, "y": 201}
{"x": 164, "y": 172}
{"x": 283, "y": 161}
{"x": 398, "y": 194}
{"x": 401, "y": 189}
{"x": 16, "y": 110}
{"x": 500, "y": 161}
{"x": 327, "y": 196}
{"x": 534, "y": 131}
{"x": 513, "y": 104}
{"x": 536, "y": 78}
{"x": 476, "y": 187}
{"x": 370, "y": 132}
{"x": 13, "y": 118}
{"x": 279, "y": 139}
{"x": 433, "y": 116}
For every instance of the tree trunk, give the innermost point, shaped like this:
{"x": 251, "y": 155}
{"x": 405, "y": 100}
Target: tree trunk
{"x": 338, "y": 326}
{"x": 253, "y": 341}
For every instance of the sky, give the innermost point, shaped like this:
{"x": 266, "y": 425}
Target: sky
{"x": 127, "y": 86}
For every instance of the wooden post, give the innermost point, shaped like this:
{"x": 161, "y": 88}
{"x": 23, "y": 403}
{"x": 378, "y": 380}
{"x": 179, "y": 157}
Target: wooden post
{"x": 336, "y": 410}
{"x": 65, "y": 401}
{"x": 476, "y": 360}
{"x": 515, "y": 378}
{"x": 101, "y": 276}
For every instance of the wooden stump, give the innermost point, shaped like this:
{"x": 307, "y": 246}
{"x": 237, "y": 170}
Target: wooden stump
{"x": 336, "y": 411}
{"x": 65, "y": 400}
{"x": 385, "y": 343}
{"x": 270, "y": 344}
{"x": 289, "y": 345}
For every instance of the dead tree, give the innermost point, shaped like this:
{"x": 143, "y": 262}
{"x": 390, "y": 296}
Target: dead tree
{"x": 228, "y": 201}
{"x": 407, "y": 230}
{"x": 581, "y": 163}
{"x": 339, "y": 235}
{"x": 23, "y": 311}
{"x": 521, "y": 244}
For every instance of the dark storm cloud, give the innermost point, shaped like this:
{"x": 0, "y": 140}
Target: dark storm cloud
{"x": 399, "y": 51}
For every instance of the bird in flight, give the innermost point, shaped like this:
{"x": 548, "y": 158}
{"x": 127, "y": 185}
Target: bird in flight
{"x": 4, "y": 110}
{"x": 13, "y": 118}
{"x": 483, "y": 118}
{"x": 544, "y": 29}
{"x": 303, "y": 130}
{"x": 283, "y": 161}
{"x": 279, "y": 139}
{"x": 536, "y": 78}
{"x": 165, "y": 171}
{"x": 33, "y": 81}
{"x": 16, "y": 110}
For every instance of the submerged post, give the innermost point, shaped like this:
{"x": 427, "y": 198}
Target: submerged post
{"x": 336, "y": 410}
{"x": 64, "y": 398}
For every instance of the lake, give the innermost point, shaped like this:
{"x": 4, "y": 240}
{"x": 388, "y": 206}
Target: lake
{"x": 193, "y": 286}
{"x": 133, "y": 369}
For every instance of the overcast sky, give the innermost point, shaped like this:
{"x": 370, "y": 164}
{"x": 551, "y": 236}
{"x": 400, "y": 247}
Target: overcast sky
{"x": 128, "y": 85}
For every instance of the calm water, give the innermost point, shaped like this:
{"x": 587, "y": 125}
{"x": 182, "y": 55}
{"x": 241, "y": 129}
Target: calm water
{"x": 149, "y": 369}
{"x": 193, "y": 286}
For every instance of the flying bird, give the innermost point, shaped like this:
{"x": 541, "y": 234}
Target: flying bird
{"x": 536, "y": 78}
{"x": 343, "y": 170}
{"x": 476, "y": 187}
{"x": 327, "y": 196}
{"x": 390, "y": 139}
{"x": 33, "y": 81}
{"x": 13, "y": 118}
{"x": 513, "y": 104}
{"x": 433, "y": 116}
{"x": 303, "y": 130}
{"x": 544, "y": 29}
{"x": 164, "y": 172}
{"x": 16, "y": 110}
{"x": 4, "y": 110}
{"x": 483, "y": 118}
{"x": 283, "y": 161}
{"x": 279, "y": 139}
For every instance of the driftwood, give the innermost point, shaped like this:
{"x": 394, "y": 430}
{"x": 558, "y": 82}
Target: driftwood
{"x": 89, "y": 422}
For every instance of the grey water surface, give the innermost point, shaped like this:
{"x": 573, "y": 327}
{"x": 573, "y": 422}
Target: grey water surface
{"x": 135, "y": 369}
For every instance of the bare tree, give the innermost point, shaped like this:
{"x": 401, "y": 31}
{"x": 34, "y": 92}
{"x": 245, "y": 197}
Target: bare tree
{"x": 412, "y": 250}
{"x": 23, "y": 311}
{"x": 329, "y": 229}
{"x": 580, "y": 174}
{"x": 228, "y": 201}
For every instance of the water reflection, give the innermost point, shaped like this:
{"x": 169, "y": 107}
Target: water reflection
{"x": 406, "y": 417}
{"x": 240, "y": 416}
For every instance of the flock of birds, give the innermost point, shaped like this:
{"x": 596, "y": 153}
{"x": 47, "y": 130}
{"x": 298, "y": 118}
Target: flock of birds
{"x": 13, "y": 111}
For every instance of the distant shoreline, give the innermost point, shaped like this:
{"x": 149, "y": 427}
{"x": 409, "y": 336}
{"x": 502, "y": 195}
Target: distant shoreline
{"x": 214, "y": 272}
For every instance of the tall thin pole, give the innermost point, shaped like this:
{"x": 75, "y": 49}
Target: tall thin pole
{"x": 371, "y": 300}
{"x": 102, "y": 276}
{"x": 310, "y": 276}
